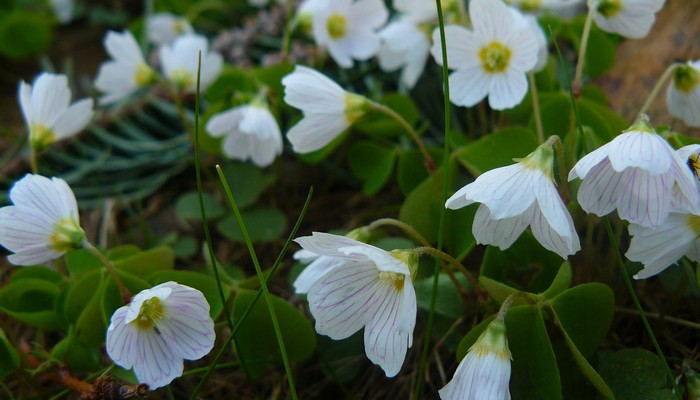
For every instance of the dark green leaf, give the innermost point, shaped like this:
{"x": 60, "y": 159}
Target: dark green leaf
{"x": 636, "y": 374}
{"x": 9, "y": 359}
{"x": 187, "y": 206}
{"x": 411, "y": 169}
{"x": 37, "y": 272}
{"x": 497, "y": 149}
{"x": 372, "y": 164}
{"x": 247, "y": 182}
{"x": 561, "y": 282}
{"x": 380, "y": 124}
{"x": 31, "y": 301}
{"x": 24, "y": 33}
{"x": 263, "y": 224}
{"x": 448, "y": 302}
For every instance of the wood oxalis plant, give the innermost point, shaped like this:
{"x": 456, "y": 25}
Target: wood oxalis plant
{"x": 484, "y": 249}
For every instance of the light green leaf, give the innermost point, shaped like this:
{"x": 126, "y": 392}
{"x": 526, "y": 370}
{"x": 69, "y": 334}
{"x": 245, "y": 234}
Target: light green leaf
{"x": 636, "y": 374}
{"x": 187, "y": 206}
{"x": 561, "y": 282}
{"x": 247, "y": 182}
{"x": 31, "y": 301}
{"x": 497, "y": 149}
{"x": 263, "y": 224}
{"x": 379, "y": 124}
{"x": 372, "y": 164}
{"x": 448, "y": 303}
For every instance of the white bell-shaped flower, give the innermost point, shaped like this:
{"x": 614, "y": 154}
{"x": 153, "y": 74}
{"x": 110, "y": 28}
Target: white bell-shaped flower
{"x": 630, "y": 18}
{"x": 367, "y": 287}
{"x": 48, "y": 112}
{"x": 683, "y": 94}
{"x": 404, "y": 46}
{"x": 160, "y": 328}
{"x": 43, "y": 222}
{"x": 179, "y": 62}
{"x": 164, "y": 28}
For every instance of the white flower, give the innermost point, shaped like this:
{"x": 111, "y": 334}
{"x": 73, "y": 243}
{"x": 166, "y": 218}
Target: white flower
{"x": 484, "y": 373}
{"x": 164, "y": 28}
{"x": 419, "y": 11}
{"x": 158, "y": 329}
{"x": 179, "y": 62}
{"x": 47, "y": 110}
{"x": 43, "y": 224}
{"x": 63, "y": 10}
{"x": 683, "y": 94}
{"x": 126, "y": 72}
{"x": 251, "y": 133}
{"x": 347, "y": 29}
{"x": 516, "y": 196}
{"x": 369, "y": 288}
{"x": 630, "y": 18}
{"x": 491, "y": 60}
{"x": 530, "y": 22}
{"x": 636, "y": 173}
{"x": 328, "y": 109}
{"x": 404, "y": 45}
{"x": 661, "y": 246}
{"x": 562, "y": 8}
{"x": 318, "y": 266}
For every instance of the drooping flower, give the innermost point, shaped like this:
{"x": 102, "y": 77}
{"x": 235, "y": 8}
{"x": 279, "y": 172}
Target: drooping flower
{"x": 683, "y": 94}
{"x": 160, "y": 328}
{"x": 663, "y": 245}
{"x": 347, "y": 29}
{"x": 630, "y": 18}
{"x": 637, "y": 174}
{"x": 516, "y": 196}
{"x": 43, "y": 222}
{"x": 126, "y": 72}
{"x": 484, "y": 373}
{"x": 404, "y": 46}
{"x": 179, "y": 62}
{"x": 368, "y": 288}
{"x": 251, "y": 133}
{"x": 48, "y": 112}
{"x": 164, "y": 28}
{"x": 490, "y": 60}
{"x": 328, "y": 109}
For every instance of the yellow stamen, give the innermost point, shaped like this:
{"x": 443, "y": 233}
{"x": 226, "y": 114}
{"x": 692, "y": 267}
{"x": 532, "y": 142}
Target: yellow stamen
{"x": 694, "y": 223}
{"x": 686, "y": 78}
{"x": 144, "y": 75}
{"x": 336, "y": 25}
{"x": 151, "y": 311}
{"x": 609, "y": 8}
{"x": 494, "y": 57}
{"x": 67, "y": 235}
{"x": 393, "y": 278}
{"x": 355, "y": 106}
{"x": 40, "y": 136}
{"x": 181, "y": 78}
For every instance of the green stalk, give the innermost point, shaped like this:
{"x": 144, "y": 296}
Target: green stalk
{"x": 243, "y": 317}
{"x": 263, "y": 282}
{"x": 198, "y": 172}
{"x": 441, "y": 223}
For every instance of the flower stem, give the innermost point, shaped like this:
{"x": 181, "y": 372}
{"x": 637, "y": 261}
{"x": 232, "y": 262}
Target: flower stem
{"x": 427, "y": 159}
{"x": 638, "y": 305}
{"x": 576, "y": 86}
{"x": 123, "y": 290}
{"x": 407, "y": 229}
{"x": 555, "y": 141}
{"x": 288, "y": 29}
{"x": 657, "y": 88}
{"x": 441, "y": 224}
{"x": 34, "y": 161}
{"x": 536, "y": 107}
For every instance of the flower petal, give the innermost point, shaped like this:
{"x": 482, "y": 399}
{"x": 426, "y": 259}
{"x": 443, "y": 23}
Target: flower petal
{"x": 315, "y": 131}
{"x": 74, "y": 119}
{"x": 565, "y": 243}
{"x": 507, "y": 89}
{"x": 600, "y": 189}
{"x": 314, "y": 271}
{"x": 311, "y": 91}
{"x": 121, "y": 339}
{"x": 644, "y": 199}
{"x": 469, "y": 86}
{"x": 644, "y": 150}
{"x": 506, "y": 191}
{"x": 502, "y": 232}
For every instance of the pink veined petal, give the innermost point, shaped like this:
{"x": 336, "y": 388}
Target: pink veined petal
{"x": 345, "y": 299}
{"x": 74, "y": 119}
{"x": 502, "y": 232}
{"x": 37, "y": 194}
{"x": 686, "y": 182}
{"x": 370, "y": 14}
{"x": 462, "y": 47}
{"x": 385, "y": 343}
{"x": 189, "y": 335}
{"x": 600, "y": 189}
{"x": 507, "y": 89}
{"x": 123, "y": 46}
{"x": 590, "y": 160}
{"x": 507, "y": 191}
{"x": 491, "y": 19}
{"x": 524, "y": 47}
{"x": 469, "y": 86}
{"x": 644, "y": 199}
{"x": 382, "y": 259}
{"x": 564, "y": 244}
{"x": 19, "y": 229}
{"x": 120, "y": 342}
{"x": 328, "y": 244}
{"x": 315, "y": 131}
{"x": 315, "y": 271}
{"x": 459, "y": 199}
{"x": 461, "y": 385}
{"x": 492, "y": 377}
{"x": 552, "y": 207}
{"x": 644, "y": 150}
{"x": 33, "y": 255}
{"x": 155, "y": 364}
{"x": 212, "y": 64}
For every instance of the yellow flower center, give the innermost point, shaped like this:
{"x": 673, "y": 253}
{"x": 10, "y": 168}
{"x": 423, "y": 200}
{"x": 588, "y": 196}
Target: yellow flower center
{"x": 67, "y": 235}
{"x": 694, "y": 223}
{"x": 151, "y": 311}
{"x": 393, "y": 278}
{"x": 608, "y": 8}
{"x": 144, "y": 75}
{"x": 181, "y": 78}
{"x": 530, "y": 5}
{"x": 494, "y": 57}
{"x": 355, "y": 106}
{"x": 40, "y": 136}
{"x": 686, "y": 78}
{"x": 179, "y": 26}
{"x": 336, "y": 25}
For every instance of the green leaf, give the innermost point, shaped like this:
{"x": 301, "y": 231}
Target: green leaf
{"x": 205, "y": 284}
{"x": 247, "y": 182}
{"x": 411, "y": 170}
{"x": 497, "y": 290}
{"x": 585, "y": 312}
{"x": 372, "y": 164}
{"x": 81, "y": 357}
{"x": 230, "y": 81}
{"x": 272, "y": 76}
{"x": 421, "y": 209}
{"x": 83, "y": 308}
{"x": 9, "y": 359}
{"x": 379, "y": 124}
{"x": 187, "y": 206}
{"x": 81, "y": 261}
{"x": 341, "y": 360}
{"x": 600, "y": 53}
{"x": 263, "y": 224}
{"x": 147, "y": 262}
{"x": 256, "y": 340}
{"x": 37, "y": 272}
{"x": 525, "y": 266}
{"x": 561, "y": 282}
{"x": 459, "y": 239}
{"x": 636, "y": 374}
{"x": 448, "y": 302}
{"x": 31, "y": 301}
{"x": 497, "y": 149}
{"x": 24, "y": 33}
